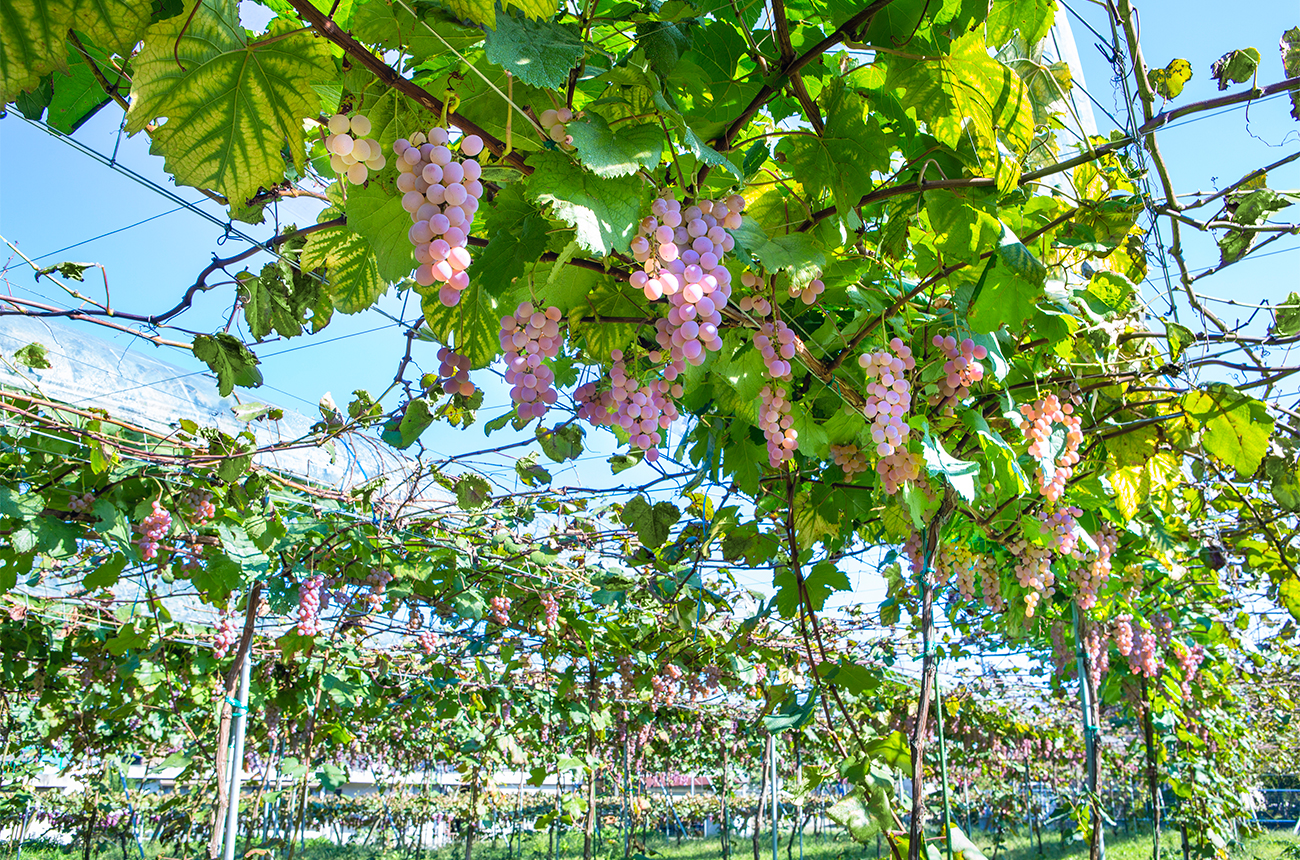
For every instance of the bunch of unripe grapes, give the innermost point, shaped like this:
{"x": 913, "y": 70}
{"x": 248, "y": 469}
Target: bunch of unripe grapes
{"x": 809, "y": 292}
{"x": 851, "y": 459}
{"x": 1033, "y": 572}
{"x": 960, "y": 371}
{"x": 553, "y": 122}
{"x": 643, "y": 411}
{"x": 551, "y": 614}
{"x": 227, "y": 635}
{"x": 990, "y": 584}
{"x": 681, "y": 253}
{"x": 775, "y": 421}
{"x": 441, "y": 192}
{"x": 500, "y": 610}
{"x": 453, "y": 373}
{"x": 1037, "y": 427}
{"x": 1089, "y": 578}
{"x": 1189, "y": 662}
{"x": 309, "y": 605}
{"x": 529, "y": 337}
{"x": 889, "y": 398}
{"x": 152, "y": 530}
{"x": 414, "y": 618}
{"x": 957, "y": 561}
{"x": 352, "y": 152}
{"x": 757, "y": 304}
{"x": 200, "y": 505}
{"x": 775, "y": 342}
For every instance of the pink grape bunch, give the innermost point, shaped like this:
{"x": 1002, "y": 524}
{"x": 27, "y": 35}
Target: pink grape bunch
{"x": 809, "y": 292}
{"x": 414, "y": 618}
{"x": 1189, "y": 662}
{"x": 529, "y": 338}
{"x": 889, "y": 398}
{"x": 82, "y": 504}
{"x": 1144, "y": 658}
{"x": 550, "y": 614}
{"x": 756, "y": 303}
{"x": 309, "y": 605}
{"x": 200, "y": 505}
{"x": 377, "y": 580}
{"x": 453, "y": 373}
{"x": 851, "y": 459}
{"x": 643, "y": 410}
{"x": 429, "y": 642}
{"x": 227, "y": 634}
{"x": 777, "y": 425}
{"x": 1095, "y": 646}
{"x": 1089, "y": 578}
{"x": 1163, "y": 626}
{"x": 1037, "y": 427}
{"x": 353, "y": 154}
{"x": 681, "y": 253}
{"x": 441, "y": 192}
{"x": 960, "y": 371}
{"x": 1123, "y": 634}
{"x": 1062, "y": 526}
{"x": 500, "y": 610}
{"x": 152, "y": 530}
{"x": 775, "y": 342}
{"x": 1033, "y": 572}
{"x": 990, "y": 584}
{"x": 553, "y": 123}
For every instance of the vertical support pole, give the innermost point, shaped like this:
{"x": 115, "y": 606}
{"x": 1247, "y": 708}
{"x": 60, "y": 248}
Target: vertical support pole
{"x": 776, "y": 809}
{"x": 943, "y": 770}
{"x": 627, "y": 788}
{"x": 237, "y": 761}
{"x": 1097, "y": 844}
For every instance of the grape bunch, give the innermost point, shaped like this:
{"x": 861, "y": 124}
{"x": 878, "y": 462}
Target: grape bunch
{"x": 1094, "y": 644}
{"x": 1062, "y": 527}
{"x": 990, "y": 584}
{"x": 441, "y": 192}
{"x": 1163, "y": 626}
{"x": 529, "y": 338}
{"x": 681, "y": 254}
{"x": 414, "y": 618}
{"x": 1189, "y": 661}
{"x": 81, "y": 504}
{"x": 960, "y": 371}
{"x": 1037, "y": 427}
{"x": 914, "y": 551}
{"x": 377, "y": 580}
{"x": 200, "y": 505}
{"x": 553, "y": 122}
{"x": 1143, "y": 659}
{"x": 1033, "y": 572}
{"x": 756, "y": 303}
{"x": 551, "y": 612}
{"x": 227, "y": 634}
{"x": 775, "y": 342}
{"x": 851, "y": 459}
{"x": 1123, "y": 633}
{"x": 501, "y": 610}
{"x": 1089, "y": 578}
{"x": 453, "y": 373}
{"x": 152, "y": 530}
{"x": 309, "y": 605}
{"x": 641, "y": 410}
{"x": 429, "y": 642}
{"x": 808, "y": 293}
{"x": 777, "y": 425}
{"x": 352, "y": 152}
{"x": 889, "y": 398}
{"x": 956, "y": 560}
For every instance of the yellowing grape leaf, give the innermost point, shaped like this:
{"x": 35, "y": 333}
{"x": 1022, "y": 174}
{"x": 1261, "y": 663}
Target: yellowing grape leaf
{"x": 1290, "y": 48}
{"x": 114, "y": 25}
{"x": 1237, "y": 427}
{"x": 232, "y": 105}
{"x": 32, "y": 43}
{"x": 1030, "y": 19}
{"x": 1170, "y": 80}
{"x": 351, "y": 270}
{"x": 603, "y": 211}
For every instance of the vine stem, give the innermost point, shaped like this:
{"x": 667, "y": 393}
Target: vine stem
{"x": 223, "y": 733}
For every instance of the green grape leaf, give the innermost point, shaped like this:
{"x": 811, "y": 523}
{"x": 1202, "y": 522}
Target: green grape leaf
{"x": 472, "y": 325}
{"x": 1235, "y": 67}
{"x": 1179, "y": 338}
{"x": 1252, "y": 208}
{"x": 562, "y": 443}
{"x": 604, "y": 212}
{"x": 473, "y": 492}
{"x": 1286, "y": 317}
{"x": 105, "y": 575}
{"x": 962, "y": 232}
{"x": 375, "y": 212}
{"x": 1289, "y": 594}
{"x": 1237, "y": 427}
{"x": 1020, "y": 259}
{"x": 610, "y": 153}
{"x": 539, "y": 53}
{"x": 842, "y": 159}
{"x": 961, "y": 474}
{"x": 821, "y": 581}
{"x": 232, "y": 105}
{"x": 78, "y": 95}
{"x": 1001, "y": 298}
{"x": 33, "y": 356}
{"x": 1030, "y": 19}
{"x": 390, "y": 24}
{"x": 864, "y": 812}
{"x": 351, "y": 271}
{"x": 652, "y": 523}
{"x": 1170, "y": 80}
{"x": 508, "y": 253}
{"x": 232, "y": 362}
{"x": 796, "y": 253}
{"x": 1290, "y": 48}
{"x": 32, "y": 43}
{"x": 1113, "y": 290}
{"x": 1284, "y": 482}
